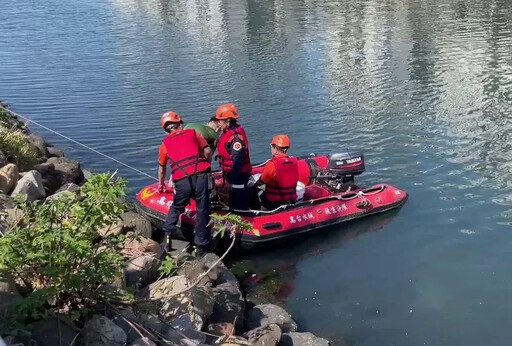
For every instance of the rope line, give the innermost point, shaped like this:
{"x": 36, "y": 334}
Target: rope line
{"x": 81, "y": 144}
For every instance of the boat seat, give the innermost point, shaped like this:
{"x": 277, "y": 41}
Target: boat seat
{"x": 314, "y": 192}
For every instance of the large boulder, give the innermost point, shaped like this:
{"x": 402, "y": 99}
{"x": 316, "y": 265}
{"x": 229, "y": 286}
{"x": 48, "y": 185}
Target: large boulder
{"x": 141, "y": 270}
{"x": 8, "y": 177}
{"x": 153, "y": 324}
{"x": 120, "y": 317}
{"x": 302, "y": 339}
{"x": 54, "y": 331}
{"x": 68, "y": 170}
{"x": 164, "y": 288}
{"x": 39, "y": 143}
{"x": 220, "y": 271}
{"x": 198, "y": 301}
{"x": 100, "y": 331}
{"x": 51, "y": 178}
{"x": 69, "y": 187}
{"x": 135, "y": 246}
{"x": 229, "y": 305}
{"x": 194, "y": 269}
{"x": 30, "y": 185}
{"x": 187, "y": 337}
{"x": 264, "y": 336}
{"x": 137, "y": 223}
{"x": 55, "y": 152}
{"x": 265, "y": 314}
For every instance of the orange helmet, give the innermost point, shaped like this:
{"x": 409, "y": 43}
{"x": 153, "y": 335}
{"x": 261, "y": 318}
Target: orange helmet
{"x": 281, "y": 141}
{"x": 170, "y": 117}
{"x": 226, "y": 111}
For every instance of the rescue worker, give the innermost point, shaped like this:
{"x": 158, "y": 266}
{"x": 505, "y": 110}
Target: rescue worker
{"x": 189, "y": 156}
{"x": 210, "y": 131}
{"x": 233, "y": 153}
{"x": 280, "y": 175}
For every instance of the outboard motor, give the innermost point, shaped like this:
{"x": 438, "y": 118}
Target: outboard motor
{"x": 346, "y": 165}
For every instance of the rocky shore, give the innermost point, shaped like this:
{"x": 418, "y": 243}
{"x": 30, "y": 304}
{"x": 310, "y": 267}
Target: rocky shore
{"x": 200, "y": 303}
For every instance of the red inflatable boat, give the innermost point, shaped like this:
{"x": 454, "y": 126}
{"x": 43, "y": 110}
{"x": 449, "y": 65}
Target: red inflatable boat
{"x": 330, "y": 197}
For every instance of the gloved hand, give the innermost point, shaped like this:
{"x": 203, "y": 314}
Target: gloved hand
{"x": 162, "y": 188}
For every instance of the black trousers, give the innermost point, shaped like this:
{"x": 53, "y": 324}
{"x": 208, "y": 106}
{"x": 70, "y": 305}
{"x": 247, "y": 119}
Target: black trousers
{"x": 195, "y": 187}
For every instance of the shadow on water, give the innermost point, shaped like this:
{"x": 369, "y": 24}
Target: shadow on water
{"x": 268, "y": 271}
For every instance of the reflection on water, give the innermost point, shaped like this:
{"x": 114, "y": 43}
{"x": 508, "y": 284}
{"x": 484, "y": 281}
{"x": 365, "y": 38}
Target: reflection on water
{"x": 423, "y": 87}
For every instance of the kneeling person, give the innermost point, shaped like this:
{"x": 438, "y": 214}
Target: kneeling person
{"x": 189, "y": 156}
{"x": 280, "y": 175}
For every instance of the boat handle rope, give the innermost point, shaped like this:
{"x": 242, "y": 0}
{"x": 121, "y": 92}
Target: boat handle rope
{"x": 79, "y": 143}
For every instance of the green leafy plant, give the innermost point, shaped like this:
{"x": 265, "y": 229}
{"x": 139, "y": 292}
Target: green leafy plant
{"x": 58, "y": 259}
{"x": 232, "y": 223}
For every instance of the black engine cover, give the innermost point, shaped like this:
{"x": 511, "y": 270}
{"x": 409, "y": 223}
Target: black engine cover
{"x": 347, "y": 163}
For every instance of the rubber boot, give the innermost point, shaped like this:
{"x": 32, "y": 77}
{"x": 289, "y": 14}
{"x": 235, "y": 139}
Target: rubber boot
{"x": 167, "y": 243}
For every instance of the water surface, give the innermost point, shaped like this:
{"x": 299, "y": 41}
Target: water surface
{"x": 423, "y": 87}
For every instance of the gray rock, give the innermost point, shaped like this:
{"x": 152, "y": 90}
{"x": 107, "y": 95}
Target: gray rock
{"x": 55, "y": 152}
{"x": 153, "y": 323}
{"x": 193, "y": 269}
{"x": 143, "y": 342}
{"x": 119, "y": 317}
{"x": 100, "y": 331}
{"x": 198, "y": 300}
{"x": 54, "y": 331}
{"x": 69, "y": 187}
{"x": 13, "y": 217}
{"x": 31, "y": 185}
{"x": 221, "y": 272}
{"x": 264, "y": 336}
{"x": 5, "y": 201}
{"x": 182, "y": 322}
{"x": 69, "y": 170}
{"x": 87, "y": 174}
{"x": 137, "y": 223}
{"x": 17, "y": 340}
{"x": 39, "y": 143}
{"x": 70, "y": 190}
{"x": 135, "y": 246}
{"x": 302, "y": 339}
{"x": 229, "y": 305}
{"x": 8, "y": 177}
{"x": 165, "y": 287}
{"x": 141, "y": 270}
{"x": 265, "y": 314}
{"x": 51, "y": 178}
{"x": 187, "y": 337}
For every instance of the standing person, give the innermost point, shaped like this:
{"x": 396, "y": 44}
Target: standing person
{"x": 280, "y": 175}
{"x": 210, "y": 131}
{"x": 233, "y": 152}
{"x": 189, "y": 156}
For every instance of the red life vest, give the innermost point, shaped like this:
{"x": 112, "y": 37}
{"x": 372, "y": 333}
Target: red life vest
{"x": 223, "y": 150}
{"x": 284, "y": 188}
{"x": 185, "y": 156}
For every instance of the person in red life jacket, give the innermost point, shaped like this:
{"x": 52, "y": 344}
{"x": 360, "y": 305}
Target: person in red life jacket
{"x": 189, "y": 157}
{"x": 280, "y": 175}
{"x": 233, "y": 154}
